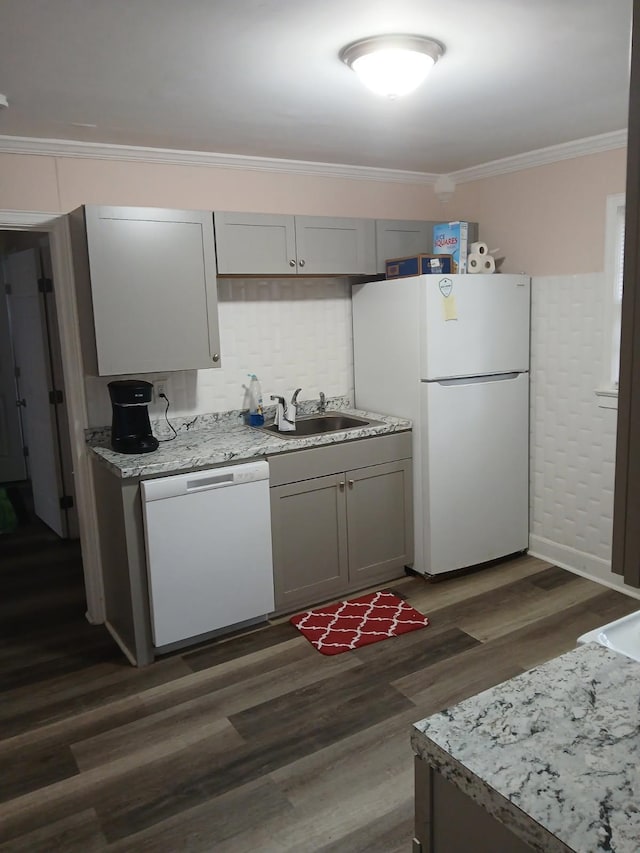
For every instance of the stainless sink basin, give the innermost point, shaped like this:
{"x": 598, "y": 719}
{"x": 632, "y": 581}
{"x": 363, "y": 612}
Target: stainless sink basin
{"x": 321, "y": 424}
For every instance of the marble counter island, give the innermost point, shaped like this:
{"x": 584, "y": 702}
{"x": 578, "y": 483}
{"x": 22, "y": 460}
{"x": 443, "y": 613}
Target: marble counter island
{"x": 551, "y": 757}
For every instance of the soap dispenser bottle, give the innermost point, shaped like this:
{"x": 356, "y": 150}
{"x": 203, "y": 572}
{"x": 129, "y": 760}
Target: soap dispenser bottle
{"x": 256, "y": 414}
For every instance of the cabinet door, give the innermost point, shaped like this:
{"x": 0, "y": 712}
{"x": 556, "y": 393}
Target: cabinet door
{"x": 329, "y": 246}
{"x": 308, "y": 525}
{"x": 399, "y": 238}
{"x": 153, "y": 287}
{"x": 255, "y": 244}
{"x": 379, "y": 522}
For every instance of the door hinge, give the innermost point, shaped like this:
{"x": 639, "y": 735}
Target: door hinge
{"x": 66, "y": 502}
{"x": 55, "y": 397}
{"x": 7, "y": 289}
{"x": 45, "y": 285}
{"x": 25, "y": 451}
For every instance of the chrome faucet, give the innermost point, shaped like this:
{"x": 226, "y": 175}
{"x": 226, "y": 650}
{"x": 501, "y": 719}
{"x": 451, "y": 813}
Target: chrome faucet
{"x": 322, "y": 405}
{"x": 295, "y": 396}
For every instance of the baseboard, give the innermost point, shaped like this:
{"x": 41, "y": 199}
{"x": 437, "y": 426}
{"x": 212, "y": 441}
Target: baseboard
{"x": 580, "y": 563}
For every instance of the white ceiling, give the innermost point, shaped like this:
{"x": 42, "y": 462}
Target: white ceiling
{"x": 263, "y": 78}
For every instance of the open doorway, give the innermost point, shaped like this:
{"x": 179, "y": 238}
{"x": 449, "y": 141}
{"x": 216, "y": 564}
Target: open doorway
{"x": 35, "y": 450}
{"x": 43, "y": 596}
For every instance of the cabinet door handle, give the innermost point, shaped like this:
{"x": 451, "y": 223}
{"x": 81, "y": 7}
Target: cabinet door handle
{"x": 301, "y": 262}
{"x": 341, "y": 484}
{"x": 350, "y": 484}
{"x": 292, "y": 263}
{"x": 216, "y": 356}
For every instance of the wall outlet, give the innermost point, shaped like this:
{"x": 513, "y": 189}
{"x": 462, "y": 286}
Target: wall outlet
{"x": 159, "y": 387}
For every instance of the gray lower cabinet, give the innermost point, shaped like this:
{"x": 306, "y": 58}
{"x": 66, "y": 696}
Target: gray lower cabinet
{"x": 123, "y": 560}
{"x": 343, "y": 530}
{"x": 379, "y": 521}
{"x": 276, "y": 244}
{"x": 147, "y": 290}
{"x": 448, "y": 821}
{"x": 309, "y": 535}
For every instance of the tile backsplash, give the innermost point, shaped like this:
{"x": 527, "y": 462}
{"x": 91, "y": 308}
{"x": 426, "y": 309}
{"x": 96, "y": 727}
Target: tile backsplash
{"x": 292, "y": 333}
{"x": 572, "y": 438}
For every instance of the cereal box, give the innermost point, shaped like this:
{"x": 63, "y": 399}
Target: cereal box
{"x": 455, "y": 239}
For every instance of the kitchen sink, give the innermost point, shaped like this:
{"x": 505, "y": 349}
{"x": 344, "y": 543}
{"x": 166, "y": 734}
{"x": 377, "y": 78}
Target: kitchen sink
{"x": 622, "y": 636}
{"x": 321, "y": 424}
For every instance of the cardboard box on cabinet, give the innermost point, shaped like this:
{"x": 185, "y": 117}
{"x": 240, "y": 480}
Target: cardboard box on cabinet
{"x": 418, "y": 265}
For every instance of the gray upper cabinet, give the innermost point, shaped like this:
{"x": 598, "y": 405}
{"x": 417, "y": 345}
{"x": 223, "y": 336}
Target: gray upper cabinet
{"x": 330, "y": 246}
{"x": 399, "y": 238}
{"x": 153, "y": 289}
{"x": 255, "y": 244}
{"x": 272, "y": 244}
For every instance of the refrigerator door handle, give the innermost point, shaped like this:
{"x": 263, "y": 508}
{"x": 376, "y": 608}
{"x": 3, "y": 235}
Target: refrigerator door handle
{"x": 474, "y": 380}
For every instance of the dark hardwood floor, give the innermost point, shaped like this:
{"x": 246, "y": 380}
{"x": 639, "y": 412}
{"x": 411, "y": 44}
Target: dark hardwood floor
{"x": 255, "y": 743}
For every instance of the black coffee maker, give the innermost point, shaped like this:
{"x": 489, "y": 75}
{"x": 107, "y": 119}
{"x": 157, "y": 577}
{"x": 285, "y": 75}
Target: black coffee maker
{"x": 130, "y": 427}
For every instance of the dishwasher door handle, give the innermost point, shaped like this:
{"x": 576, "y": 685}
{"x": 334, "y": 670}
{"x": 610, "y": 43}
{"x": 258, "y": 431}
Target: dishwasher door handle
{"x": 209, "y": 482}
{"x": 201, "y": 481}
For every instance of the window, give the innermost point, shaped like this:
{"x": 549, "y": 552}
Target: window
{"x": 613, "y": 270}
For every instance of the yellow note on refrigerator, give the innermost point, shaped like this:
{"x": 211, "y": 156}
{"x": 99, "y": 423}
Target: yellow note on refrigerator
{"x": 449, "y": 308}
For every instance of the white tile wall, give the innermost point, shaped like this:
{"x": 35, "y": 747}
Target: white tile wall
{"x": 290, "y": 332}
{"x": 572, "y": 438}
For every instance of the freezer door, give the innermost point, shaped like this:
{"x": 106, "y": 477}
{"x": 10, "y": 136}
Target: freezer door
{"x": 475, "y": 439}
{"x": 473, "y": 325}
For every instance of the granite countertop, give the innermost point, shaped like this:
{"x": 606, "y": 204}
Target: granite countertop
{"x": 554, "y": 750}
{"x": 211, "y": 440}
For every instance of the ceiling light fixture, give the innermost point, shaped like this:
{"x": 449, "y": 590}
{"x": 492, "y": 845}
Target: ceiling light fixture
{"x": 392, "y": 65}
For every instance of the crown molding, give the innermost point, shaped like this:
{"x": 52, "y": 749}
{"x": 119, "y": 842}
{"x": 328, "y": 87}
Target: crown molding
{"x": 175, "y": 157}
{"x": 20, "y": 219}
{"x": 543, "y": 156}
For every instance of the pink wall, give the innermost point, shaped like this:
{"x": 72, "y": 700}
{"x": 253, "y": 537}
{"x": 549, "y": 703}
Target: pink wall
{"x": 60, "y": 184}
{"x": 547, "y": 220}
{"x": 28, "y": 183}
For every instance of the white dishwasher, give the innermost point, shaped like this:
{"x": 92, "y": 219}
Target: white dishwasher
{"x": 208, "y": 538}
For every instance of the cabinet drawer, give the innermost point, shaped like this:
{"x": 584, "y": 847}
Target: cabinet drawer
{"x": 335, "y": 458}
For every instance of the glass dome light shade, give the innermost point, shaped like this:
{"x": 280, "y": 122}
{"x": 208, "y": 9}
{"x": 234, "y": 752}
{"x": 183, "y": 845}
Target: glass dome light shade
{"x": 393, "y": 72}
{"x": 392, "y": 66}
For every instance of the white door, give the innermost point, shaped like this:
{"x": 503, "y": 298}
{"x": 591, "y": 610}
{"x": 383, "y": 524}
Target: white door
{"x": 475, "y": 440}
{"x": 12, "y": 463}
{"x": 473, "y": 325}
{"x": 32, "y": 360}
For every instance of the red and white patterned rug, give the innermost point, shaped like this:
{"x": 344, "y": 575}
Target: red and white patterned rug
{"x": 346, "y": 625}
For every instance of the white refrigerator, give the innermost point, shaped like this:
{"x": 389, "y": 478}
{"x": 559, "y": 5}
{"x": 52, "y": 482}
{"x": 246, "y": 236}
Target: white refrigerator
{"x": 451, "y": 352}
